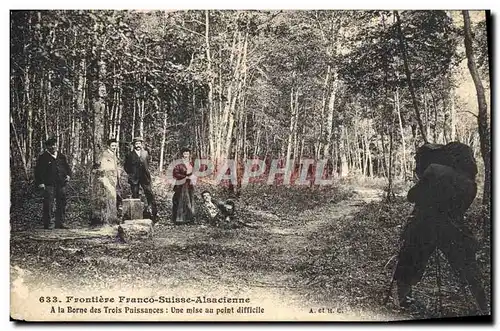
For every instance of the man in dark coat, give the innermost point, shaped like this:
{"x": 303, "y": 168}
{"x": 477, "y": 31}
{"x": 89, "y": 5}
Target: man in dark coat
{"x": 52, "y": 173}
{"x": 137, "y": 167}
{"x": 445, "y": 190}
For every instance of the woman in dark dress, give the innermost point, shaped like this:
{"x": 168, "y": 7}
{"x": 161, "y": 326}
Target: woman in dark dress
{"x": 183, "y": 199}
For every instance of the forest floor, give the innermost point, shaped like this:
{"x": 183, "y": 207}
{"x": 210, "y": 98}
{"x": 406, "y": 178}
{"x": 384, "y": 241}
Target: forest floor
{"x": 313, "y": 248}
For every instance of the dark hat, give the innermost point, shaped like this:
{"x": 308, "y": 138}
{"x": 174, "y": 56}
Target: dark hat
{"x": 136, "y": 139}
{"x": 112, "y": 140}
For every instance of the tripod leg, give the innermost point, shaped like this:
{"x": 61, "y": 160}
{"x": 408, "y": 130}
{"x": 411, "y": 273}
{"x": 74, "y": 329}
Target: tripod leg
{"x": 389, "y": 290}
{"x": 438, "y": 280}
{"x": 461, "y": 256}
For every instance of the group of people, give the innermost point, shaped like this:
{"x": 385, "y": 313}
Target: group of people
{"x": 443, "y": 193}
{"x": 52, "y": 174}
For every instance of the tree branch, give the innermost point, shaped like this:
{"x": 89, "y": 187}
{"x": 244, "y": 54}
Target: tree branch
{"x": 468, "y": 111}
{"x": 408, "y": 75}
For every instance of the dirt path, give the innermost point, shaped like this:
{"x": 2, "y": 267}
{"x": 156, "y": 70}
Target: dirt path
{"x": 270, "y": 254}
{"x": 264, "y": 264}
{"x": 308, "y": 221}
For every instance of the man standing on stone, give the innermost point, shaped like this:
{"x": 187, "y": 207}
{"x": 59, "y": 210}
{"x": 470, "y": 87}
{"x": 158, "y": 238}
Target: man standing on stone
{"x": 137, "y": 168}
{"x": 52, "y": 173}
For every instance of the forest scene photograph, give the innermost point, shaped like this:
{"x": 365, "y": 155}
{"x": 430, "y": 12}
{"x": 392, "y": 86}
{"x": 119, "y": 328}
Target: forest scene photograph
{"x": 273, "y": 165}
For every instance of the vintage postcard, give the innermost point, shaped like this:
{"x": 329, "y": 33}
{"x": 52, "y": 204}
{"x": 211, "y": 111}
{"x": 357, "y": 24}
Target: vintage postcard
{"x": 250, "y": 165}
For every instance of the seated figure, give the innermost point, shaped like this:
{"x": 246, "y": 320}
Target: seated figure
{"x": 216, "y": 213}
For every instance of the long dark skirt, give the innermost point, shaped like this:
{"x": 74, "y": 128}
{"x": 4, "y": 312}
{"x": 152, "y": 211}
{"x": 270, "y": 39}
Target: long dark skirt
{"x": 183, "y": 205}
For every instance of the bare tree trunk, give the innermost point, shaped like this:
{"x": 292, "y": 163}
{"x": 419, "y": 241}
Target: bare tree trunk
{"x": 234, "y": 91}
{"x": 331, "y": 110}
{"x": 323, "y": 108}
{"x": 391, "y": 172}
{"x": 116, "y": 120}
{"x": 427, "y": 115}
{"x": 43, "y": 106}
{"x": 196, "y": 127}
{"x": 370, "y": 160}
{"x": 364, "y": 168}
{"x": 335, "y": 156}
{"x": 133, "y": 116}
{"x": 356, "y": 150}
{"x": 74, "y": 119}
{"x": 385, "y": 162}
{"x": 245, "y": 128}
{"x": 242, "y": 109}
{"x": 47, "y": 105}
{"x": 353, "y": 155}
{"x": 119, "y": 124}
{"x": 434, "y": 106}
{"x": 302, "y": 141}
{"x": 239, "y": 70}
{"x": 21, "y": 153}
{"x": 99, "y": 112}
{"x": 398, "y": 110}
{"x": 80, "y": 109}
{"x": 344, "y": 168}
{"x": 113, "y": 110}
{"x": 57, "y": 124}
{"x": 29, "y": 110}
{"x": 295, "y": 128}
{"x": 296, "y": 137}
{"x": 141, "y": 114}
{"x": 402, "y": 47}
{"x": 203, "y": 132}
{"x": 267, "y": 143}
{"x": 163, "y": 140}
{"x": 453, "y": 116}
{"x": 86, "y": 138}
{"x": 290, "y": 130}
{"x": 368, "y": 167}
{"x": 257, "y": 139}
{"x": 482, "y": 118}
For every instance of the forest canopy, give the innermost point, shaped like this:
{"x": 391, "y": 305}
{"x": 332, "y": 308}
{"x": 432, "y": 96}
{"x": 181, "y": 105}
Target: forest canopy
{"x": 243, "y": 84}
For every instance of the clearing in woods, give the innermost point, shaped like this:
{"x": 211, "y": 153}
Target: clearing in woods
{"x": 306, "y": 260}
